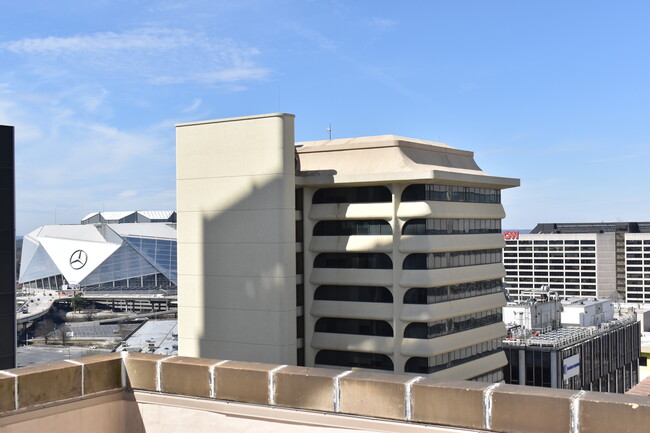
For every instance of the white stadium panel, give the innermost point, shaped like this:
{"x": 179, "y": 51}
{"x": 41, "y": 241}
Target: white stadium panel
{"x": 75, "y": 258}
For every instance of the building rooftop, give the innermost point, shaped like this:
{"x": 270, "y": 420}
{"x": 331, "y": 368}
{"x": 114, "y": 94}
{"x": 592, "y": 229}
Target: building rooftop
{"x": 642, "y": 388}
{"x": 155, "y": 393}
{"x": 383, "y": 157}
{"x": 602, "y": 227}
{"x": 563, "y": 337}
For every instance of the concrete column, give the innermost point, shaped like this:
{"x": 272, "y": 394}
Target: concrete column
{"x": 7, "y": 250}
{"x": 397, "y": 257}
{"x": 554, "y": 368}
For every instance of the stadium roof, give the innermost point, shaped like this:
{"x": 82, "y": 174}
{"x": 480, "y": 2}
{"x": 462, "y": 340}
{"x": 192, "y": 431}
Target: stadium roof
{"x": 130, "y": 217}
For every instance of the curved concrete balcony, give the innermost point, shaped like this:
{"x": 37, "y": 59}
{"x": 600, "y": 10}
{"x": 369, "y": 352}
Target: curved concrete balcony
{"x": 441, "y": 243}
{"x": 342, "y": 244}
{"x": 353, "y": 277}
{"x": 344, "y": 211}
{"x": 447, "y": 209}
{"x": 447, "y": 343}
{"x": 445, "y": 310}
{"x": 353, "y": 343}
{"x": 439, "y": 277}
{"x": 356, "y": 310}
{"x": 473, "y": 368}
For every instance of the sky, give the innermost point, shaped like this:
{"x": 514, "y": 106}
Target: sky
{"x": 554, "y": 93}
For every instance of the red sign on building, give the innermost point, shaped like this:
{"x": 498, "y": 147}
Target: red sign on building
{"x": 510, "y": 235}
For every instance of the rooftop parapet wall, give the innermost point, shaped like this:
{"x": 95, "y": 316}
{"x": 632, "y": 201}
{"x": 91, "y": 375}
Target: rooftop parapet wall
{"x": 405, "y": 399}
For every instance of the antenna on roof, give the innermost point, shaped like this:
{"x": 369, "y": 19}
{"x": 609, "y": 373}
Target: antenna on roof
{"x": 329, "y": 129}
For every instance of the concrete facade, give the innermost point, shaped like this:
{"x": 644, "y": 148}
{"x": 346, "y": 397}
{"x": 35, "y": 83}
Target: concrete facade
{"x": 236, "y": 239}
{"x": 604, "y": 260}
{"x": 7, "y": 249}
{"x": 371, "y": 252}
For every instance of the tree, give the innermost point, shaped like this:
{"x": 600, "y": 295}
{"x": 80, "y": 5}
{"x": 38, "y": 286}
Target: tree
{"x": 62, "y": 334}
{"x": 44, "y": 329}
{"x": 78, "y": 302}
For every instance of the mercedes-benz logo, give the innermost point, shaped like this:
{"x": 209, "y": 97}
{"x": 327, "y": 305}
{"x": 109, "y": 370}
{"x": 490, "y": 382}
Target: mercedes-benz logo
{"x": 78, "y": 259}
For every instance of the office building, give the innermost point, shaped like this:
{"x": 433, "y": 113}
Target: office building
{"x": 372, "y": 252}
{"x": 581, "y": 260}
{"x": 7, "y": 249}
{"x": 119, "y": 250}
{"x": 572, "y": 344}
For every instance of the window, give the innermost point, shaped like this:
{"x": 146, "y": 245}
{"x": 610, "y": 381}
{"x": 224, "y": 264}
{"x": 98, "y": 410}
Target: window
{"x": 450, "y": 359}
{"x": 451, "y": 259}
{"x": 450, "y": 326}
{"x": 359, "y": 194}
{"x": 353, "y": 260}
{"x": 431, "y": 295}
{"x": 445, "y": 226}
{"x": 354, "y": 326}
{"x": 352, "y": 228}
{"x": 353, "y": 294}
{"x": 432, "y": 192}
{"x": 342, "y": 358}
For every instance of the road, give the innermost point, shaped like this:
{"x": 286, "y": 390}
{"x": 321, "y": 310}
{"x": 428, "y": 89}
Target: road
{"x": 34, "y": 304}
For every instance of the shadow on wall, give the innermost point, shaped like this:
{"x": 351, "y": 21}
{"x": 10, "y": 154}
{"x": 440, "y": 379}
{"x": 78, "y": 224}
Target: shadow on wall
{"x": 249, "y": 290}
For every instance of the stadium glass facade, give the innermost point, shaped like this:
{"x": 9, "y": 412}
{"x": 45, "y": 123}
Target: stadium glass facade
{"x": 101, "y": 256}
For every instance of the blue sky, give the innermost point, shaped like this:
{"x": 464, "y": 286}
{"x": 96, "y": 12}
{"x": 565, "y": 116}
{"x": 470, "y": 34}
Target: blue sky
{"x": 555, "y": 93}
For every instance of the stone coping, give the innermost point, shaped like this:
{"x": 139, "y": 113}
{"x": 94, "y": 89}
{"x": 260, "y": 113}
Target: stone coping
{"x": 418, "y": 399}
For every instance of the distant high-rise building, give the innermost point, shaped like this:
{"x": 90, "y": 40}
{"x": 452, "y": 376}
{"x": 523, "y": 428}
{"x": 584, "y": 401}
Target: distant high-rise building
{"x": 371, "y": 252}
{"x": 602, "y": 260}
{"x": 7, "y": 250}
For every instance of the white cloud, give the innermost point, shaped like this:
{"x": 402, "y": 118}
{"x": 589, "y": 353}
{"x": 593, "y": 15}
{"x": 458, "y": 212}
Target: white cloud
{"x": 159, "y": 55}
{"x": 148, "y": 38}
{"x": 128, "y": 193}
{"x": 195, "y": 104}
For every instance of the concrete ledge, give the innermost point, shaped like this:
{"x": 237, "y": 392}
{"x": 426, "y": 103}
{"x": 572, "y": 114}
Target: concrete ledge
{"x": 455, "y": 403}
{"x": 7, "y": 392}
{"x": 601, "y": 412}
{"x": 530, "y": 409}
{"x": 101, "y": 373}
{"x": 142, "y": 371}
{"x": 247, "y": 382}
{"x": 405, "y": 399}
{"x": 305, "y": 388}
{"x": 46, "y": 383}
{"x": 187, "y": 376}
{"x": 380, "y": 395}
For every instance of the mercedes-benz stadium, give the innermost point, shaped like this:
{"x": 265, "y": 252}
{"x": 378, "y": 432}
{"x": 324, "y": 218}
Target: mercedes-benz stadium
{"x": 108, "y": 251}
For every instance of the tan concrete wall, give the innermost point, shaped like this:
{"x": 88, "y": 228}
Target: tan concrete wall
{"x": 605, "y": 264}
{"x": 160, "y": 394}
{"x": 100, "y": 415}
{"x": 236, "y": 238}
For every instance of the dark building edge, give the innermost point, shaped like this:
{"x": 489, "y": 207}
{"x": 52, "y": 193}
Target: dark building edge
{"x": 7, "y": 249}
